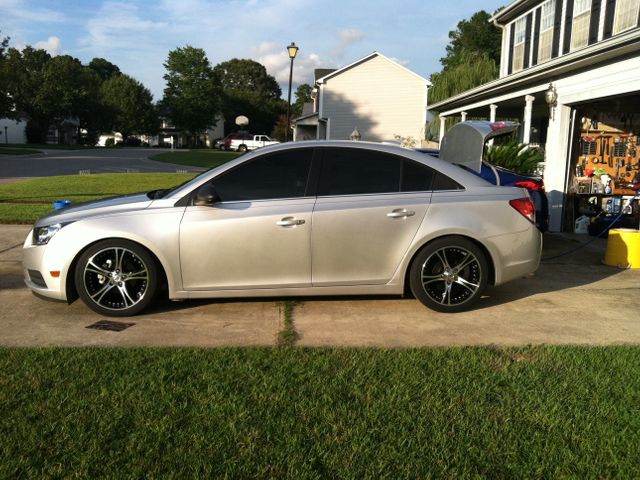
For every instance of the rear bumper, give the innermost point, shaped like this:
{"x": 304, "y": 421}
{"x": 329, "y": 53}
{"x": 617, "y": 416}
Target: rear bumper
{"x": 519, "y": 254}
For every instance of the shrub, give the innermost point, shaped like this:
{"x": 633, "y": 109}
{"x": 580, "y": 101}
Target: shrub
{"x": 514, "y": 156}
{"x": 109, "y": 142}
{"x": 132, "y": 142}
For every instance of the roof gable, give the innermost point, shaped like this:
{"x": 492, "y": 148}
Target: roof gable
{"x": 366, "y": 59}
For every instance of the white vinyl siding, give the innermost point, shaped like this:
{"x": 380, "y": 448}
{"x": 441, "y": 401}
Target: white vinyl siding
{"x": 379, "y": 98}
{"x": 580, "y": 27}
{"x": 545, "y": 42}
{"x": 626, "y": 15}
{"x": 518, "y": 44}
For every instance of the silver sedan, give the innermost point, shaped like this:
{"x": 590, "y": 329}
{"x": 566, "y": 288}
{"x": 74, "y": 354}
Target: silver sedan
{"x": 307, "y": 218}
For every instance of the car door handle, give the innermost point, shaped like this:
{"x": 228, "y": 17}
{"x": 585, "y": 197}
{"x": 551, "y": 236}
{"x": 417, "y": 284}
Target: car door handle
{"x": 401, "y": 213}
{"x": 290, "y": 222}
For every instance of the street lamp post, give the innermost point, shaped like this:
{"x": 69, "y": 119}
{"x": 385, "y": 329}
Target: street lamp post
{"x": 6, "y": 139}
{"x": 293, "y": 51}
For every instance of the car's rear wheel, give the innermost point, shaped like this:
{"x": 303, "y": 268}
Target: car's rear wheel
{"x": 449, "y": 274}
{"x": 116, "y": 278}
{"x": 242, "y": 148}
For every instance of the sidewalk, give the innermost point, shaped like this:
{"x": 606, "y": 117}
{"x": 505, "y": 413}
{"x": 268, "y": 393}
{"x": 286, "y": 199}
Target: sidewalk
{"x": 570, "y": 300}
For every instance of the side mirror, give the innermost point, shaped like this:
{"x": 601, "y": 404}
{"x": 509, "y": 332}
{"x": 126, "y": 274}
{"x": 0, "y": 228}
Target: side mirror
{"x": 206, "y": 196}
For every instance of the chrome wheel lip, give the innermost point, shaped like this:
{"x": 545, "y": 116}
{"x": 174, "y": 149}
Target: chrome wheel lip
{"x": 452, "y": 276}
{"x": 114, "y": 278}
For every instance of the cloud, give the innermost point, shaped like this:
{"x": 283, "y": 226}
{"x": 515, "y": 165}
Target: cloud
{"x": 117, "y": 25}
{"x": 346, "y": 38}
{"x": 23, "y": 13}
{"x": 51, "y": 45}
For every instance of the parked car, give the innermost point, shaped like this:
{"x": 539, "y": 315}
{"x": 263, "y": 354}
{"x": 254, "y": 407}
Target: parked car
{"x": 309, "y": 218}
{"x": 225, "y": 143}
{"x": 464, "y": 145}
{"x": 251, "y": 143}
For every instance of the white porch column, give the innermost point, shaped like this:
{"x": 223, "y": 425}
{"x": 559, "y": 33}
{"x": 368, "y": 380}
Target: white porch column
{"x": 528, "y": 109}
{"x": 443, "y": 125}
{"x": 492, "y": 118}
{"x": 464, "y": 116}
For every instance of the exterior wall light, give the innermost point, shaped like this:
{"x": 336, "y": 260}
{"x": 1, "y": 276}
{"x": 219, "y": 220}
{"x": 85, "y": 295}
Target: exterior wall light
{"x": 355, "y": 135}
{"x": 551, "y": 97}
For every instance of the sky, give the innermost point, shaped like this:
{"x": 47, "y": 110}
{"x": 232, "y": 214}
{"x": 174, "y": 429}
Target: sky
{"x": 138, "y": 35}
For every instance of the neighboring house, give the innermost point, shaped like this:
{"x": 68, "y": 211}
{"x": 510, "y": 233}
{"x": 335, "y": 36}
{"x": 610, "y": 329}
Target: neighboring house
{"x": 168, "y": 132}
{"x": 375, "y": 95}
{"x": 570, "y": 72}
{"x": 65, "y": 131}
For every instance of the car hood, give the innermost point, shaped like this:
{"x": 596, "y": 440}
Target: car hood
{"x": 83, "y": 210}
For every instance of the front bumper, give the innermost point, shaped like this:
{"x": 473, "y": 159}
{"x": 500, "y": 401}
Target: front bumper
{"x": 38, "y": 263}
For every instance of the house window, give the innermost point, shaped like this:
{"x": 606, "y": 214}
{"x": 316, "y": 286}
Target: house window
{"x": 626, "y": 15}
{"x": 518, "y": 44}
{"x": 580, "y": 26}
{"x": 547, "y": 17}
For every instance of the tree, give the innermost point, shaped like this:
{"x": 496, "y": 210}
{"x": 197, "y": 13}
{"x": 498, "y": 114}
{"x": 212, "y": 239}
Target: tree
{"x": 104, "y": 68}
{"x": 24, "y": 76}
{"x": 249, "y": 90}
{"x": 129, "y": 106}
{"x": 476, "y": 36}
{"x": 192, "y": 95}
{"x": 303, "y": 95}
{"x": 473, "y": 55}
{"x": 5, "y": 99}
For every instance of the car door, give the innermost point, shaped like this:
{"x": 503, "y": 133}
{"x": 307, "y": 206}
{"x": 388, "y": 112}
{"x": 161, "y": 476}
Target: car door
{"x": 258, "y": 234}
{"x": 369, "y": 207}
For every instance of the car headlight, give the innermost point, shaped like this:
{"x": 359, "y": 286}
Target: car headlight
{"x": 42, "y": 235}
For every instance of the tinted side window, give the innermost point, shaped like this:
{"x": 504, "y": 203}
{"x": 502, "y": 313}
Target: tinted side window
{"x": 276, "y": 175}
{"x": 416, "y": 177}
{"x": 442, "y": 182}
{"x": 348, "y": 171}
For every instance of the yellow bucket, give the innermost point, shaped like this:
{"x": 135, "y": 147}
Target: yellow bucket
{"x": 623, "y": 248}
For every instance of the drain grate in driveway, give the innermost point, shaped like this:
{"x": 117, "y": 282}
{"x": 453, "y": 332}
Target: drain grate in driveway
{"x": 110, "y": 325}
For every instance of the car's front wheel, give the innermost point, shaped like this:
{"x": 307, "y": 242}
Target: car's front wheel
{"x": 116, "y": 278}
{"x": 449, "y": 274}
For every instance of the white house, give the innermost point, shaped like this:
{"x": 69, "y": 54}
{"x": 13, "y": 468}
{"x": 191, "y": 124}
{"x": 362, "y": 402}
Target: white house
{"x": 375, "y": 95}
{"x": 570, "y": 72}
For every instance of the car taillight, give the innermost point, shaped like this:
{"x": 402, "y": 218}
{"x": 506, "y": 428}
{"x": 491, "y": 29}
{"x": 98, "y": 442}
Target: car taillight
{"x": 525, "y": 207}
{"x": 531, "y": 185}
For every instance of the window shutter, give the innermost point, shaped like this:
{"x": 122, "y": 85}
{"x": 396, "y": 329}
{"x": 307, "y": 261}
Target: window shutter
{"x": 512, "y": 32}
{"x": 527, "y": 40}
{"x": 594, "y": 21}
{"x": 567, "y": 27}
{"x": 557, "y": 22}
{"x": 608, "y": 18}
{"x": 536, "y": 37}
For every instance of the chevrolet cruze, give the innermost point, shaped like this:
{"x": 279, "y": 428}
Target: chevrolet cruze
{"x": 306, "y": 218}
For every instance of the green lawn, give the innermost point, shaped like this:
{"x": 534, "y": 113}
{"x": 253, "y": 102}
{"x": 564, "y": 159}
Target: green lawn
{"x": 26, "y": 201}
{"x": 544, "y": 412}
{"x": 196, "y": 158}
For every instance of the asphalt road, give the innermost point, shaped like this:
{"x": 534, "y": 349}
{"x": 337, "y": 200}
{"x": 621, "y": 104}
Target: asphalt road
{"x": 98, "y": 160}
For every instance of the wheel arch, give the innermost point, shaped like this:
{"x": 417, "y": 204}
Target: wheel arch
{"x": 70, "y": 286}
{"x": 490, "y": 260}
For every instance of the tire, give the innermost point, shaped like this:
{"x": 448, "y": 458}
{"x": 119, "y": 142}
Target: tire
{"x": 116, "y": 278}
{"x": 242, "y": 148}
{"x": 449, "y": 275}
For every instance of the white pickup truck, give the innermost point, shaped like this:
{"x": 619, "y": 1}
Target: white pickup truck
{"x": 244, "y": 144}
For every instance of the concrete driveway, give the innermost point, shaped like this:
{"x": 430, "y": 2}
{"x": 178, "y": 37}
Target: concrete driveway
{"x": 569, "y": 300}
{"x": 98, "y": 160}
